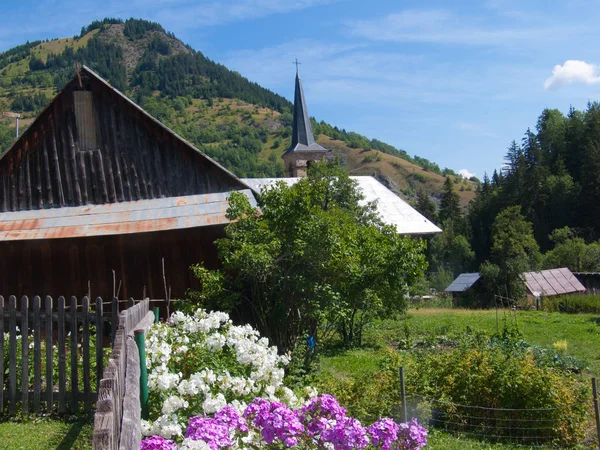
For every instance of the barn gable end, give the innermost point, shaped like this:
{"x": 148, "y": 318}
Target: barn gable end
{"x": 92, "y": 145}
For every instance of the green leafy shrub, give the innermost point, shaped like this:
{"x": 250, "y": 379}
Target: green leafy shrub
{"x": 572, "y": 304}
{"x": 419, "y": 177}
{"x": 372, "y": 157}
{"x": 504, "y": 376}
{"x": 500, "y": 372}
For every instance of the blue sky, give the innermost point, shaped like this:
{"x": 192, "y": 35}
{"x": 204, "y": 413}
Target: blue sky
{"x": 453, "y": 82}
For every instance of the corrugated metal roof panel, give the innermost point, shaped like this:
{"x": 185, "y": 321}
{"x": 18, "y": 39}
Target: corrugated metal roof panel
{"x": 118, "y": 218}
{"x": 392, "y": 209}
{"x": 463, "y": 282}
{"x": 552, "y": 282}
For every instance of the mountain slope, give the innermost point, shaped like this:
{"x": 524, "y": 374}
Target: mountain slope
{"x": 239, "y": 123}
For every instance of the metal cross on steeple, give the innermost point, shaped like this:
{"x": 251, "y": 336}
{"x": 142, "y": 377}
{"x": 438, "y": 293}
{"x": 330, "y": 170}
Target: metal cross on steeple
{"x": 297, "y": 64}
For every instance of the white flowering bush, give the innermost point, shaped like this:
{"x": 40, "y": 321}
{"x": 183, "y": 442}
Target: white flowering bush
{"x": 197, "y": 364}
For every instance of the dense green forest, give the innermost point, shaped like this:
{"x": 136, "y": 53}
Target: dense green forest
{"x": 541, "y": 211}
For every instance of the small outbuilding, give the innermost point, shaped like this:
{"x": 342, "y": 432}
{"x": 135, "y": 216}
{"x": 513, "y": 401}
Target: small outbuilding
{"x": 548, "y": 283}
{"x": 467, "y": 289}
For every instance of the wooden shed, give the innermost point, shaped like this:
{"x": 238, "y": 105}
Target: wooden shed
{"x": 97, "y": 185}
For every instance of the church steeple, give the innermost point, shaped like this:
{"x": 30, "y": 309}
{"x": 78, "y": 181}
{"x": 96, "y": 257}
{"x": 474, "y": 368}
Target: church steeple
{"x": 303, "y": 149}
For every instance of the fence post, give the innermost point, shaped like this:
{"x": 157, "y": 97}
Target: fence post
{"x": 114, "y": 322}
{"x": 403, "y": 394}
{"x": 12, "y": 355}
{"x": 49, "y": 362}
{"x": 596, "y": 411}
{"x": 141, "y": 345}
{"x": 156, "y": 315}
{"x": 25, "y": 354}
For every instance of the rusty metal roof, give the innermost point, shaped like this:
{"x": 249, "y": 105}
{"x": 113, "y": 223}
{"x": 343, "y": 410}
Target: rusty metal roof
{"x": 552, "y": 282}
{"x": 391, "y": 208}
{"x": 118, "y": 218}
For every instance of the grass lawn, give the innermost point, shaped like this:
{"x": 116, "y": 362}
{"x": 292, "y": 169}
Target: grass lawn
{"x": 47, "y": 434}
{"x": 580, "y": 331}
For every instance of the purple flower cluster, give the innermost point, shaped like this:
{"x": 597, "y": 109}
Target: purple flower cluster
{"x": 157, "y": 443}
{"x": 412, "y": 436}
{"x": 321, "y": 421}
{"x": 384, "y": 433}
{"x": 387, "y": 435}
{"x": 215, "y": 431}
{"x": 209, "y": 430}
{"x": 326, "y": 421}
{"x": 347, "y": 434}
{"x": 320, "y": 413}
{"x": 275, "y": 421}
{"x": 230, "y": 417}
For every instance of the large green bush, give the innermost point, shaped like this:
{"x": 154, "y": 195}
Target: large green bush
{"x": 499, "y": 372}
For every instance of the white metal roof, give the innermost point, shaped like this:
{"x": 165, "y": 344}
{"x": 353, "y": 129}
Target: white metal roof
{"x": 463, "y": 282}
{"x": 391, "y": 208}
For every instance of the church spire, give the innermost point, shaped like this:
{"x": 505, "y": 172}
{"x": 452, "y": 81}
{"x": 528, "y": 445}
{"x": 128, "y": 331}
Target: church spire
{"x": 301, "y": 129}
{"x": 303, "y": 148}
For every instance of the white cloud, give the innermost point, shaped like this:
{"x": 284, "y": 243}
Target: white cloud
{"x": 465, "y": 173}
{"x": 572, "y": 71}
{"x": 445, "y": 27}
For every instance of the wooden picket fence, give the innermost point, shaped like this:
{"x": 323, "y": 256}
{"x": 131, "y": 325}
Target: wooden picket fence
{"x": 66, "y": 327}
{"x": 117, "y": 422}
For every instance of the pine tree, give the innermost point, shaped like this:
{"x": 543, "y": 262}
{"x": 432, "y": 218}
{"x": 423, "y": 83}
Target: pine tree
{"x": 449, "y": 204}
{"x": 425, "y": 205}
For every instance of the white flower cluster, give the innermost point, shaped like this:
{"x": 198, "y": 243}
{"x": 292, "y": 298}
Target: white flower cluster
{"x": 202, "y": 362}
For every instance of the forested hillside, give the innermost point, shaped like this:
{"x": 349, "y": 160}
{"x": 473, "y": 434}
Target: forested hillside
{"x": 239, "y": 123}
{"x": 541, "y": 211}
{"x": 553, "y": 174}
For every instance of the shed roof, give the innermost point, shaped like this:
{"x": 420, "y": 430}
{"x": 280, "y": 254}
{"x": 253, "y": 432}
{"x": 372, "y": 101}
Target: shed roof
{"x": 463, "y": 282}
{"x": 552, "y": 282}
{"x": 139, "y": 216}
{"x": 391, "y": 208}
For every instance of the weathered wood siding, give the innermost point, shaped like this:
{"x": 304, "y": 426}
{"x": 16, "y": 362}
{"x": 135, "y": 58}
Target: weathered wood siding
{"x": 63, "y": 266}
{"x": 98, "y": 147}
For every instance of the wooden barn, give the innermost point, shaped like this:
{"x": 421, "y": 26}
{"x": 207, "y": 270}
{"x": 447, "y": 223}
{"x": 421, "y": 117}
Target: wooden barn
{"x": 97, "y": 185}
{"x": 96, "y": 194}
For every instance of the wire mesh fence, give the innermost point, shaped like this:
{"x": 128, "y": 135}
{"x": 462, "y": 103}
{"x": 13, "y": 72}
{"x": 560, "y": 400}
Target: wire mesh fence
{"x": 528, "y": 428}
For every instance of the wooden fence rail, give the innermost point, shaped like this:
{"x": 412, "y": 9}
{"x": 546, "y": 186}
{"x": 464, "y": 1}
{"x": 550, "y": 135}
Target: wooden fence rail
{"x": 56, "y": 365}
{"x": 117, "y": 420}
